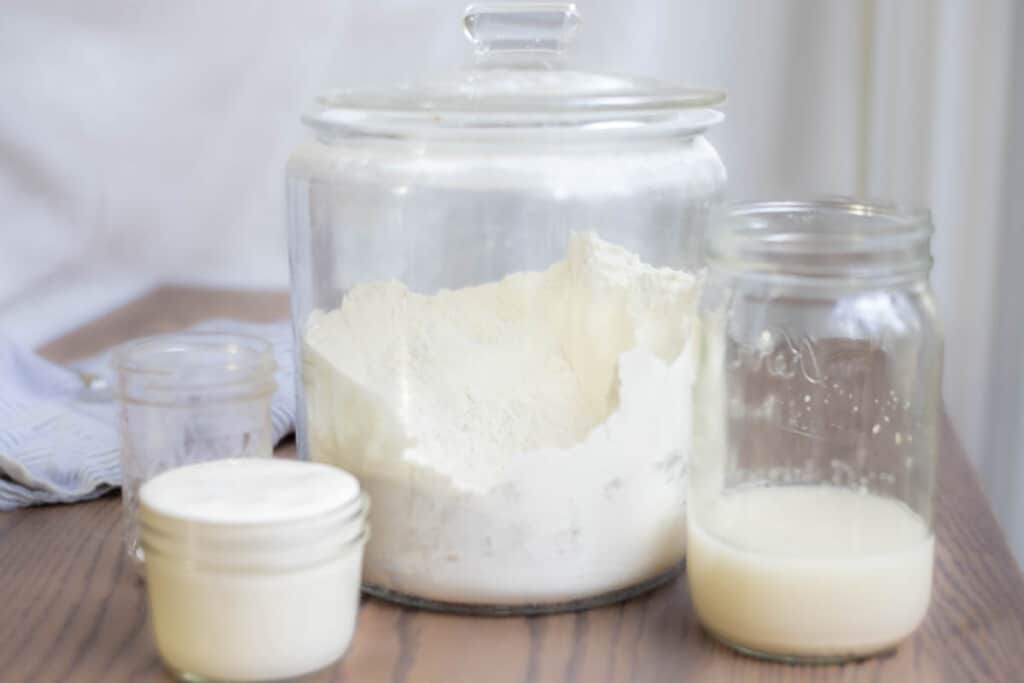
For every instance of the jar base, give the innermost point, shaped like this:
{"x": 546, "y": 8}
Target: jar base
{"x": 796, "y": 659}
{"x": 529, "y": 609}
{"x": 189, "y": 677}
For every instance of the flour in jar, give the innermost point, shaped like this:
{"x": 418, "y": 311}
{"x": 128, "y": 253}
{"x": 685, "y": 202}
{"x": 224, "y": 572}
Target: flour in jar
{"x": 522, "y": 441}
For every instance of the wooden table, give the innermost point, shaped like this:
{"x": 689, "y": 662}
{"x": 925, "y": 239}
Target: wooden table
{"x": 71, "y": 609}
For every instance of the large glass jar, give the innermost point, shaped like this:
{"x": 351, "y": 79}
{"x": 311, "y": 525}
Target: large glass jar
{"x": 494, "y": 289}
{"x": 812, "y": 475}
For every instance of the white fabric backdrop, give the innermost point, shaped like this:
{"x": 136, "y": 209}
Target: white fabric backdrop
{"x": 145, "y": 141}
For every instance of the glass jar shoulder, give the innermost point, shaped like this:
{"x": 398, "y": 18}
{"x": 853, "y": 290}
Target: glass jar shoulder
{"x": 688, "y": 163}
{"x": 750, "y": 306}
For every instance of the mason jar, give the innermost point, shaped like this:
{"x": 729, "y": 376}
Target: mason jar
{"x": 185, "y": 398}
{"x": 494, "y": 282}
{"x": 252, "y": 567}
{"x": 817, "y": 403}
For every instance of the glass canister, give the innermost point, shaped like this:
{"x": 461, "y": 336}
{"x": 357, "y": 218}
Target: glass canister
{"x": 818, "y": 395}
{"x": 494, "y": 285}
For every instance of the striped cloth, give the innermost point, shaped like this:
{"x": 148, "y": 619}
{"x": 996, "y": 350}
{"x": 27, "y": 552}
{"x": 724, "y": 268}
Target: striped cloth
{"x": 59, "y": 440}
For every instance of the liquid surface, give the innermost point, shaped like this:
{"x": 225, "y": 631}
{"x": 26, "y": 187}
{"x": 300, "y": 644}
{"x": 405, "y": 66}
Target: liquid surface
{"x": 813, "y": 571}
{"x": 249, "y": 491}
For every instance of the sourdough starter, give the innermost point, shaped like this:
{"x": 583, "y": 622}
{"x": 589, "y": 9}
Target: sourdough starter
{"x": 814, "y": 571}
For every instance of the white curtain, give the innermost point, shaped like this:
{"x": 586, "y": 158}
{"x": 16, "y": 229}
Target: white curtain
{"x": 144, "y": 142}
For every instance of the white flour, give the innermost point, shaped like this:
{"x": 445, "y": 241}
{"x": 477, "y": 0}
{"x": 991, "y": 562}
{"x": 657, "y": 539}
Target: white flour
{"x": 521, "y": 441}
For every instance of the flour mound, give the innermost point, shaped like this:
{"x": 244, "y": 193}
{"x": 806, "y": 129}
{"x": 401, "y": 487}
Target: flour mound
{"x": 463, "y": 380}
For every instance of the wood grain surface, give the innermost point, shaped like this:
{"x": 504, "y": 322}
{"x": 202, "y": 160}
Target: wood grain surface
{"x": 71, "y": 609}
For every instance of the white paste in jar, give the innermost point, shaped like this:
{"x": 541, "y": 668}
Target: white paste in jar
{"x": 252, "y": 566}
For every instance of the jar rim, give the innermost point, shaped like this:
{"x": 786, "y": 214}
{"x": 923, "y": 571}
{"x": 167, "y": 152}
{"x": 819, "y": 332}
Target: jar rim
{"x": 342, "y": 516}
{"x": 196, "y": 360}
{"x": 340, "y": 115}
{"x": 258, "y": 353}
{"x": 289, "y": 542}
{"x": 821, "y": 238}
{"x": 239, "y": 493}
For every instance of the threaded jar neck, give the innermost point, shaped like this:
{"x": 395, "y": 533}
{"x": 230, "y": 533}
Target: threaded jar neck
{"x": 831, "y": 241}
{"x": 252, "y": 514}
{"x": 184, "y": 367}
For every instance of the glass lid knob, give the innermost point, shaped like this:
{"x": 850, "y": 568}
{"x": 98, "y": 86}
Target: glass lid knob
{"x": 511, "y": 32}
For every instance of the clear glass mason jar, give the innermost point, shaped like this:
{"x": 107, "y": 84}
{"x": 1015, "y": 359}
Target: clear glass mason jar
{"x": 494, "y": 281}
{"x": 252, "y": 567}
{"x": 818, "y": 397}
{"x": 185, "y": 398}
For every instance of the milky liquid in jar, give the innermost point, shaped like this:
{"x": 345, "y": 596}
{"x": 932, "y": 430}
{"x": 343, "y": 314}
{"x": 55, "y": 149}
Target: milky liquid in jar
{"x": 812, "y": 479}
{"x": 252, "y": 567}
{"x": 810, "y": 570}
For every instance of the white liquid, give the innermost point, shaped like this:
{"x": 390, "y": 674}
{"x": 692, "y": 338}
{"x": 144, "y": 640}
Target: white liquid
{"x": 243, "y": 578}
{"x": 809, "y": 571}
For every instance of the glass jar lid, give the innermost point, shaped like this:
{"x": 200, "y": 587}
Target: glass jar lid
{"x": 518, "y": 81}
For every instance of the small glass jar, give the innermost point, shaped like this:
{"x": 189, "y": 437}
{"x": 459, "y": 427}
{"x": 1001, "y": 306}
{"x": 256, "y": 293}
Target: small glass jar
{"x": 817, "y": 403}
{"x": 494, "y": 285}
{"x": 252, "y": 567}
{"x": 188, "y": 398}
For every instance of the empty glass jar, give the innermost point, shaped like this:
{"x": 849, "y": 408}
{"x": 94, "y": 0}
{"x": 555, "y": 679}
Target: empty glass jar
{"x": 812, "y": 476}
{"x": 494, "y": 286}
{"x": 186, "y": 398}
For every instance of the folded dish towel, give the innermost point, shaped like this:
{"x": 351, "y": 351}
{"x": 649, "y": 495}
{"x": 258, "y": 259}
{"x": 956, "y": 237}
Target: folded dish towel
{"x": 59, "y": 438}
